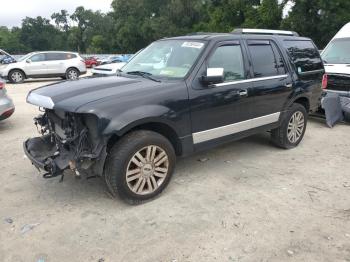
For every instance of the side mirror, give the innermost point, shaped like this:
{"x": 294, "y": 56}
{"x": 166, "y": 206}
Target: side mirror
{"x": 213, "y": 76}
{"x": 28, "y": 61}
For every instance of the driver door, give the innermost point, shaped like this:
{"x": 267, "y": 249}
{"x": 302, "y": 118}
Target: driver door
{"x": 36, "y": 65}
{"x": 221, "y": 110}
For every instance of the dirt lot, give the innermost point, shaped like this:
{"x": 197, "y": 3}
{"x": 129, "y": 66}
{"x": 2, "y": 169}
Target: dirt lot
{"x": 246, "y": 201}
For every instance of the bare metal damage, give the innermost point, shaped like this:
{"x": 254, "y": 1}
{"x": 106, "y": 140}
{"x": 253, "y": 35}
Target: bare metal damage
{"x": 67, "y": 141}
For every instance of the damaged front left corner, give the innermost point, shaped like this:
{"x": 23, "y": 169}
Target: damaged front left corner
{"x": 67, "y": 141}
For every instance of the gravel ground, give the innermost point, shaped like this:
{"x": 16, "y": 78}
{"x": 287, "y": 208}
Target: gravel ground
{"x": 245, "y": 201}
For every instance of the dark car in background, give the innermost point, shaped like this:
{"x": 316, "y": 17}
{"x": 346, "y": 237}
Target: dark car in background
{"x": 6, "y": 58}
{"x": 176, "y": 97}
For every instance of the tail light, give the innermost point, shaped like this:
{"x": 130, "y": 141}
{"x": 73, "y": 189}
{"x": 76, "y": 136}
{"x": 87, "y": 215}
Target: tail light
{"x": 2, "y": 85}
{"x": 324, "y": 81}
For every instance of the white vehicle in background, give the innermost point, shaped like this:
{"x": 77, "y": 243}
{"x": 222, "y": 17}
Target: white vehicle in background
{"x": 336, "y": 58}
{"x": 107, "y": 69}
{"x": 67, "y": 65}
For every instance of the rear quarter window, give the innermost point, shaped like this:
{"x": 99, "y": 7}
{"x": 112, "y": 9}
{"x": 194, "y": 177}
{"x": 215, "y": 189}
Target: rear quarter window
{"x": 70, "y": 56}
{"x": 304, "y": 55}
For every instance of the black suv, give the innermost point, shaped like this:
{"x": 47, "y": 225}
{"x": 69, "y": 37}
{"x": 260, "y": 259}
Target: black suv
{"x": 176, "y": 97}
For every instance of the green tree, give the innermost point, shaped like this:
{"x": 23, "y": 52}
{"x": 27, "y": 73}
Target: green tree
{"x": 39, "y": 34}
{"x": 83, "y": 18}
{"x": 318, "y": 19}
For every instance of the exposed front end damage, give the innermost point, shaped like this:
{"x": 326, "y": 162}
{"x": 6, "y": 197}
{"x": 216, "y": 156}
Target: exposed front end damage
{"x": 67, "y": 141}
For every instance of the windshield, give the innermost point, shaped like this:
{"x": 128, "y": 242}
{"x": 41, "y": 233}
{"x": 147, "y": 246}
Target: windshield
{"x": 24, "y": 57}
{"x": 338, "y": 52}
{"x": 166, "y": 58}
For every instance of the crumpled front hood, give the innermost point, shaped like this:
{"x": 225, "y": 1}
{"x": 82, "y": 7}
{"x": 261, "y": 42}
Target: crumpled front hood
{"x": 70, "y": 95}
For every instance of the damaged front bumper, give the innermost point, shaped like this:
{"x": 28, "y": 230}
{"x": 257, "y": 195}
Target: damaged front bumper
{"x": 67, "y": 141}
{"x": 45, "y": 156}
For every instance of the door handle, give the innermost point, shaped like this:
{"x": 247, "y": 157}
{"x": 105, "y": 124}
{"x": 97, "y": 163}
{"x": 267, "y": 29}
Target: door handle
{"x": 289, "y": 85}
{"x": 243, "y": 92}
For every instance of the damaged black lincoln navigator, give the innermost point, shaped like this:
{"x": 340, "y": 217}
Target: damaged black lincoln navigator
{"x": 176, "y": 97}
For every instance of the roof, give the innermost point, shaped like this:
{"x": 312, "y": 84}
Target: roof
{"x": 344, "y": 32}
{"x": 232, "y": 36}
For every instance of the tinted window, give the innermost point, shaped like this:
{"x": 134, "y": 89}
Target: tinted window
{"x": 279, "y": 61}
{"x": 59, "y": 56}
{"x": 263, "y": 58}
{"x": 55, "y": 56}
{"x": 305, "y": 56}
{"x": 38, "y": 58}
{"x": 337, "y": 52}
{"x": 230, "y": 58}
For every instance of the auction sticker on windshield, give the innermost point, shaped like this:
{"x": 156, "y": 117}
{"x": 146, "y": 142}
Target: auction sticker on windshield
{"x": 193, "y": 45}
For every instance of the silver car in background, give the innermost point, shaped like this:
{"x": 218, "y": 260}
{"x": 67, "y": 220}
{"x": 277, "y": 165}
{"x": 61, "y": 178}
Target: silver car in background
{"x": 66, "y": 65}
{"x": 6, "y": 105}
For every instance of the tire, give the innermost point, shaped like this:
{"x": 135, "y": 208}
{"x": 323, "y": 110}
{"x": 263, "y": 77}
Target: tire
{"x": 146, "y": 178}
{"x": 292, "y": 128}
{"x": 72, "y": 74}
{"x": 16, "y": 76}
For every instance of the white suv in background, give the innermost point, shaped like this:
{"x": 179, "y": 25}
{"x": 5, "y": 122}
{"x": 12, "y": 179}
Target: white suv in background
{"x": 67, "y": 65}
{"x": 336, "y": 58}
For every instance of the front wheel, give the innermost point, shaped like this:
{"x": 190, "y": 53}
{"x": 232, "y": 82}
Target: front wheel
{"x": 72, "y": 74}
{"x": 139, "y": 166}
{"x": 292, "y": 129}
{"x": 16, "y": 76}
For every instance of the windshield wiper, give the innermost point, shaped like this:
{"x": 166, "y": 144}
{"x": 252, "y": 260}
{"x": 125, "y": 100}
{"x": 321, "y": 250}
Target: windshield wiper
{"x": 144, "y": 75}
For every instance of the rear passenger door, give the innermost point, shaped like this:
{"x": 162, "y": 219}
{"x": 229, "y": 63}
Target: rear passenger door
{"x": 55, "y": 63}
{"x": 272, "y": 84}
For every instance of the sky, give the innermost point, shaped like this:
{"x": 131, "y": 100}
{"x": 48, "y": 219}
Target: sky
{"x": 13, "y": 11}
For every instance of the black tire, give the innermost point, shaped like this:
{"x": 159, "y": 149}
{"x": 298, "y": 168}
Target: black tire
{"x": 72, "y": 74}
{"x": 279, "y": 135}
{"x": 120, "y": 159}
{"x": 16, "y": 76}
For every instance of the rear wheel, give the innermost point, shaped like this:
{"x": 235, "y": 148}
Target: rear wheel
{"x": 140, "y": 166}
{"x": 72, "y": 74}
{"x": 16, "y": 76}
{"x": 292, "y": 129}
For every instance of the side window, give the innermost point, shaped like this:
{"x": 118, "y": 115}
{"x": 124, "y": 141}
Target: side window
{"x": 55, "y": 56}
{"x": 38, "y": 58}
{"x": 280, "y": 64}
{"x": 304, "y": 54}
{"x": 230, "y": 58}
{"x": 263, "y": 58}
{"x": 67, "y": 56}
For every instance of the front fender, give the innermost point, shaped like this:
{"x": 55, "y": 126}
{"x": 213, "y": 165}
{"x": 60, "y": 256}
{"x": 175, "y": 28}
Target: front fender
{"x": 123, "y": 122}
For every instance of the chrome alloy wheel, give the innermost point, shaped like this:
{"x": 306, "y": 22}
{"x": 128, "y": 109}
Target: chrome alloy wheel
{"x": 16, "y": 77}
{"x": 296, "y": 127}
{"x": 147, "y": 170}
{"x": 72, "y": 74}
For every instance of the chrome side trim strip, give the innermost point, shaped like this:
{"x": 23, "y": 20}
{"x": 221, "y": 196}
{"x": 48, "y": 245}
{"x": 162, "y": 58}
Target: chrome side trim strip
{"x": 251, "y": 80}
{"x": 214, "y": 133}
{"x": 40, "y": 100}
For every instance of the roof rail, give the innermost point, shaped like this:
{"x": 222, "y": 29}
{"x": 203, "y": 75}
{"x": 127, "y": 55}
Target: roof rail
{"x": 264, "y": 32}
